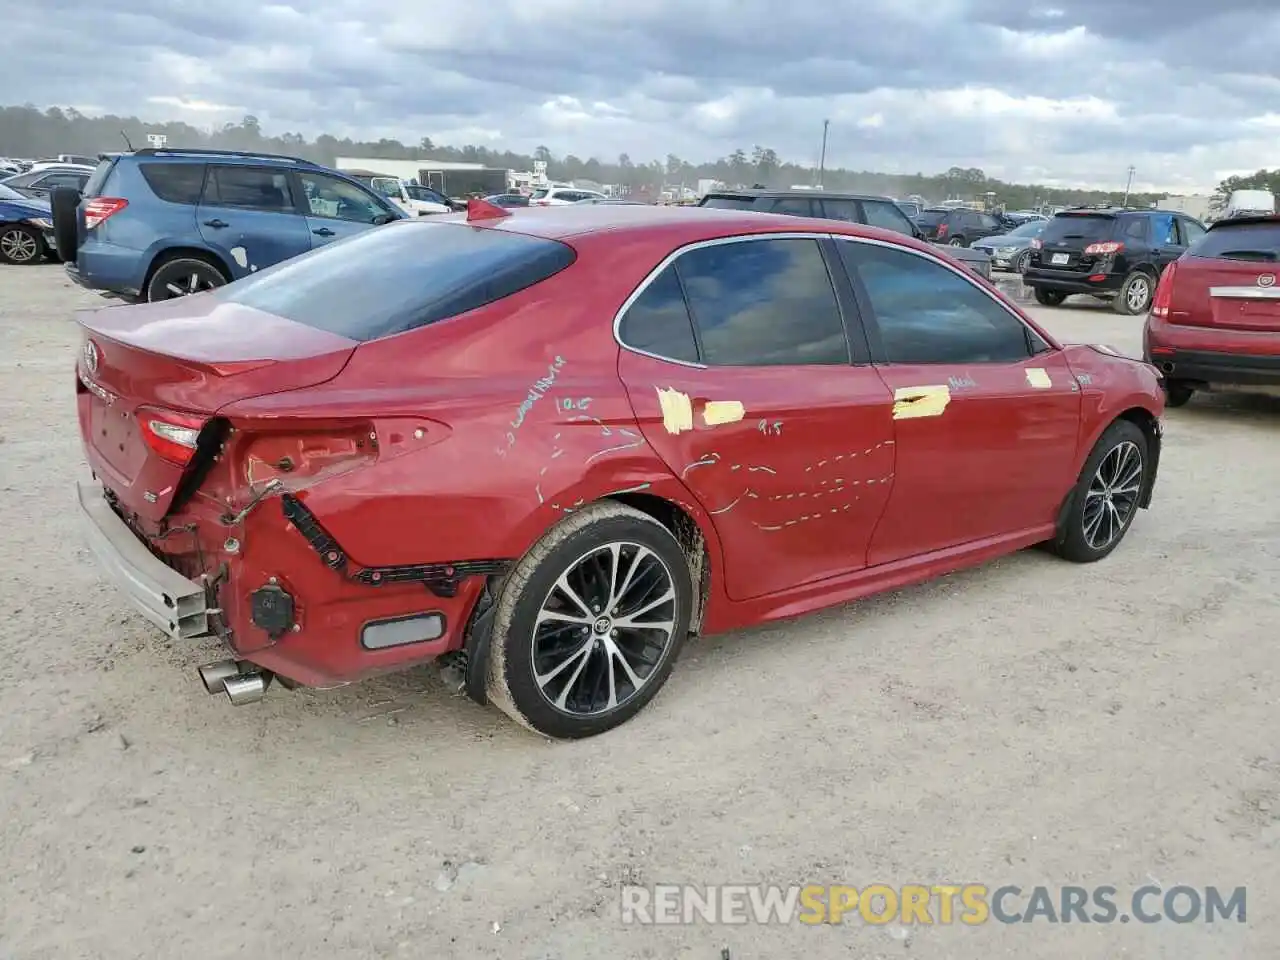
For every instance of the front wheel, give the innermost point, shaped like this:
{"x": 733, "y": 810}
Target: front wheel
{"x": 590, "y": 622}
{"x": 956, "y": 242}
{"x": 20, "y": 245}
{"x": 1021, "y": 261}
{"x": 1106, "y": 497}
{"x": 1050, "y": 298}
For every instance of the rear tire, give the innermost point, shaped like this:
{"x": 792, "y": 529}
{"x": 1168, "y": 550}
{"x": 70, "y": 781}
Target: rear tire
{"x": 1020, "y": 262}
{"x": 1106, "y": 496}
{"x": 1135, "y": 294}
{"x": 183, "y": 276}
{"x": 20, "y": 245}
{"x": 65, "y": 205}
{"x": 1177, "y": 393}
{"x": 571, "y": 634}
{"x": 1049, "y": 298}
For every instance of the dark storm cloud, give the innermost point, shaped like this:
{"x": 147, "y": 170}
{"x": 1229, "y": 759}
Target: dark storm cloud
{"x": 1075, "y": 91}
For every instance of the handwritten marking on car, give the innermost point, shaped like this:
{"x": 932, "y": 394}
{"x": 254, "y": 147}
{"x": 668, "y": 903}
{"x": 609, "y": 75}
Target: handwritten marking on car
{"x": 960, "y": 383}
{"x": 710, "y": 460}
{"x": 607, "y": 450}
{"x": 1038, "y": 378}
{"x": 770, "y": 429}
{"x": 677, "y": 410}
{"x": 912, "y": 403}
{"x": 1084, "y": 379}
{"x": 537, "y": 391}
{"x": 719, "y": 412}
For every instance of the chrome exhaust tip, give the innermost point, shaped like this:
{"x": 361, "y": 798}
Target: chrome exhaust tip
{"x": 246, "y": 688}
{"x": 215, "y": 675}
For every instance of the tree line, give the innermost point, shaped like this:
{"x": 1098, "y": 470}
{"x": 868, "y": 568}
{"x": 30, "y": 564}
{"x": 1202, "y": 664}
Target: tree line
{"x": 26, "y": 131}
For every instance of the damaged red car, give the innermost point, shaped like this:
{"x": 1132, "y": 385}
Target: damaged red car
{"x": 545, "y": 448}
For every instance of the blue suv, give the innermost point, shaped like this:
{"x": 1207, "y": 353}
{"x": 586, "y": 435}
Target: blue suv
{"x": 156, "y": 224}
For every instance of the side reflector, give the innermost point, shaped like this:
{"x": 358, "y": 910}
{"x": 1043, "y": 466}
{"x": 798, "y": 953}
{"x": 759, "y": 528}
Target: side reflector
{"x": 381, "y": 634}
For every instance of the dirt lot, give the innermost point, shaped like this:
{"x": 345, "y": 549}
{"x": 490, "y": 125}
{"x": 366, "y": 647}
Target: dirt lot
{"x": 1032, "y": 722}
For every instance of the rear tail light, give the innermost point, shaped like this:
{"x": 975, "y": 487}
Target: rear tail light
{"x": 1163, "y": 298}
{"x": 1037, "y": 244}
{"x": 1102, "y": 249}
{"x": 100, "y": 208}
{"x": 942, "y": 230}
{"x": 171, "y": 436}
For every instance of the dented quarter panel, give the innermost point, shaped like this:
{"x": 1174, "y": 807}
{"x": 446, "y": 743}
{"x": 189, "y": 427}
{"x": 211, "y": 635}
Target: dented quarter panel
{"x": 1109, "y": 386}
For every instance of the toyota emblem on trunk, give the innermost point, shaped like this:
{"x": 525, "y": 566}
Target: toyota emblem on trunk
{"x": 1267, "y": 280}
{"x": 89, "y": 354}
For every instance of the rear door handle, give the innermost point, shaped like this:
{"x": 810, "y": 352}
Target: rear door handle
{"x": 323, "y": 232}
{"x": 216, "y": 224}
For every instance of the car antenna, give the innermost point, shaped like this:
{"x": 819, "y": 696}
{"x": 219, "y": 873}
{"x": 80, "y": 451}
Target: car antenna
{"x": 479, "y": 209}
{"x": 126, "y": 141}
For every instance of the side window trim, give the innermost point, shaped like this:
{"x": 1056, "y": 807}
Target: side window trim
{"x": 842, "y": 303}
{"x": 871, "y": 323}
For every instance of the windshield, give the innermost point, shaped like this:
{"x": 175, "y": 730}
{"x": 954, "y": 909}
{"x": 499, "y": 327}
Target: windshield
{"x": 8, "y": 193}
{"x": 1077, "y": 226}
{"x": 539, "y": 194}
{"x": 1032, "y": 228}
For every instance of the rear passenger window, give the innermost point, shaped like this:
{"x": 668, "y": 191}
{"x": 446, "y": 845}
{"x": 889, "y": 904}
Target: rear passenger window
{"x": 1136, "y": 228}
{"x": 926, "y": 313}
{"x": 793, "y": 206}
{"x": 174, "y": 182}
{"x": 658, "y": 321}
{"x": 250, "y": 187}
{"x": 886, "y": 216}
{"x": 845, "y": 210}
{"x": 763, "y": 303}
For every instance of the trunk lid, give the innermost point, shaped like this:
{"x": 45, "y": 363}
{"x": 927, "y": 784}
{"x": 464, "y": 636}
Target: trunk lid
{"x": 190, "y": 356}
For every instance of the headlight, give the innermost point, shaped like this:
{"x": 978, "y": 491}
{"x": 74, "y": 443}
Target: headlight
{"x": 1007, "y": 251}
{"x": 41, "y": 222}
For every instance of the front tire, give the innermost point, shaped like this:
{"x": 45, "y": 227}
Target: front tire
{"x": 181, "y": 277}
{"x": 1020, "y": 262}
{"x": 957, "y": 242}
{"x": 590, "y": 622}
{"x": 1049, "y": 298}
{"x": 1106, "y": 497}
{"x": 20, "y": 245}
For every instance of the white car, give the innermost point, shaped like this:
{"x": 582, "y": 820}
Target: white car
{"x": 413, "y": 198}
{"x": 561, "y": 196}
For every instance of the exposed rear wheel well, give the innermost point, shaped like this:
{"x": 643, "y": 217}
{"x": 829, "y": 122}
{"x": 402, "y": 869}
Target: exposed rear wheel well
{"x": 689, "y": 535}
{"x": 184, "y": 253}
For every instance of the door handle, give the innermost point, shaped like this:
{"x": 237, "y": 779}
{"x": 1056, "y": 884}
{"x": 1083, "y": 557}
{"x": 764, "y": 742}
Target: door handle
{"x": 323, "y": 232}
{"x": 216, "y": 223}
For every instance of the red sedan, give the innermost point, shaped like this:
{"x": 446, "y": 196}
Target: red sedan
{"x": 548, "y": 446}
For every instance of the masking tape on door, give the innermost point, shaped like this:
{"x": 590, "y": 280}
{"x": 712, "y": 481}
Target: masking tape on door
{"x": 910, "y": 403}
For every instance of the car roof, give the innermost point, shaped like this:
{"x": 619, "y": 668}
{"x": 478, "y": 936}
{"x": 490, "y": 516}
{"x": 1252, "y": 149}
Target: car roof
{"x": 680, "y": 224}
{"x": 830, "y": 194}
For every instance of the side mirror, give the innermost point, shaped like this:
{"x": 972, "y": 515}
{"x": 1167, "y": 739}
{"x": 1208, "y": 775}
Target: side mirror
{"x": 383, "y": 218}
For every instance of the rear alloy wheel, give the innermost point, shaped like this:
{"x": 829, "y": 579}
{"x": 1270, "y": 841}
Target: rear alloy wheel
{"x": 20, "y": 245}
{"x": 1105, "y": 499}
{"x": 1135, "y": 296}
{"x": 1020, "y": 262}
{"x": 1050, "y": 298}
{"x": 590, "y": 623}
{"x": 1177, "y": 393}
{"x": 183, "y": 277}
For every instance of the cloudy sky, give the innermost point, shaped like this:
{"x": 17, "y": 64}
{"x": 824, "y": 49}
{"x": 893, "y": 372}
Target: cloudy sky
{"x": 1061, "y": 91}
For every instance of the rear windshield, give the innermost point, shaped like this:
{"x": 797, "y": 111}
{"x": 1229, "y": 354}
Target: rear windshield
{"x": 1240, "y": 241}
{"x": 394, "y": 278}
{"x": 1076, "y": 226}
{"x": 729, "y": 203}
{"x": 99, "y": 178}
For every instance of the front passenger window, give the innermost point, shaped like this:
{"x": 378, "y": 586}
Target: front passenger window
{"x": 339, "y": 200}
{"x": 927, "y": 313}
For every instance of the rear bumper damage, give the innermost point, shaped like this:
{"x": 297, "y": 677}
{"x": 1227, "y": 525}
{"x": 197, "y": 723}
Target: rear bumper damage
{"x": 174, "y": 603}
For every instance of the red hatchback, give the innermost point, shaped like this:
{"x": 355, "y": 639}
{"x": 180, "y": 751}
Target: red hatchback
{"x": 1215, "y": 317}
{"x": 549, "y": 446}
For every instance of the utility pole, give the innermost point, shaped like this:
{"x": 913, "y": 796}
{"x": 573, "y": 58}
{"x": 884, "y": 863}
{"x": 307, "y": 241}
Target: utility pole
{"x": 822, "y": 157}
{"x": 1128, "y": 186}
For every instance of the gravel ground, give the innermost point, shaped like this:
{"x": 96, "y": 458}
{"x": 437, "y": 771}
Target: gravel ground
{"x": 1032, "y": 722}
